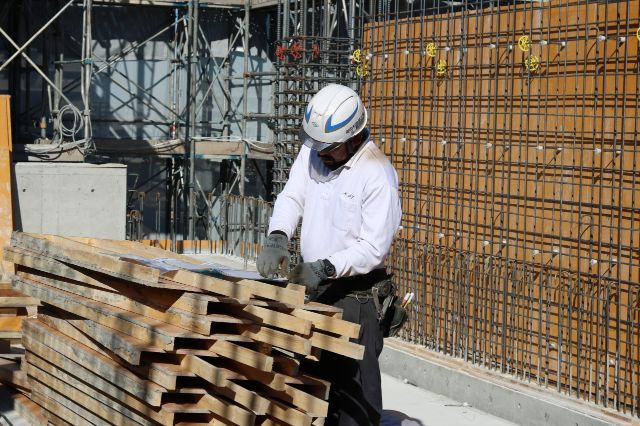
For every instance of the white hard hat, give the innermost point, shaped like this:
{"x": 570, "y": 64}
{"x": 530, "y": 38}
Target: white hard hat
{"x": 334, "y": 115}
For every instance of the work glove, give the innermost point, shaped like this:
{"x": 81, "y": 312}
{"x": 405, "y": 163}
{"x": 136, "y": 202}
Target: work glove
{"x": 309, "y": 274}
{"x": 273, "y": 254}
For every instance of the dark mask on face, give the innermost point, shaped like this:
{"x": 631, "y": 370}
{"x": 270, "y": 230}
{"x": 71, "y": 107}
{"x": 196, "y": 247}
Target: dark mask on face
{"x": 339, "y": 153}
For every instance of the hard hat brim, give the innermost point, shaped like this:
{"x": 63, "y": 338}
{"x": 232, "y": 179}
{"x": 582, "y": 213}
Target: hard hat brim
{"x": 310, "y": 142}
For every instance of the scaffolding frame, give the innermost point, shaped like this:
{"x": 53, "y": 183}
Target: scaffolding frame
{"x": 189, "y": 49}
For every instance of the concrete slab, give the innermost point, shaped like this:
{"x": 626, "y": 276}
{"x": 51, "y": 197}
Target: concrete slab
{"x": 407, "y": 405}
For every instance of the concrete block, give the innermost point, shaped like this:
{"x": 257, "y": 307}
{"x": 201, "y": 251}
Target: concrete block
{"x": 71, "y": 199}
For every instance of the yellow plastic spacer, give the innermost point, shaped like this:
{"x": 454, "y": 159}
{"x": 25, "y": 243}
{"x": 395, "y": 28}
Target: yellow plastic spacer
{"x": 532, "y": 63}
{"x": 357, "y": 56}
{"x": 431, "y": 50}
{"x": 362, "y": 70}
{"x": 524, "y": 43}
{"x": 441, "y": 67}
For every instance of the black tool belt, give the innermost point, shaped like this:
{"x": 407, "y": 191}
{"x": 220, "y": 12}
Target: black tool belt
{"x": 358, "y": 286}
{"x": 375, "y": 285}
{"x": 361, "y": 284}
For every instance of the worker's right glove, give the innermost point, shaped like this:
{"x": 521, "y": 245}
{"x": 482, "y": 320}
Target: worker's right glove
{"x": 273, "y": 254}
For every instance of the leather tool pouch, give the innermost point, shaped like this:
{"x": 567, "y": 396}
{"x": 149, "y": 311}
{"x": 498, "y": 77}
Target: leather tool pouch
{"x": 391, "y": 316}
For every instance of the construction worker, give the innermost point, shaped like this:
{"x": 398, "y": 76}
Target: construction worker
{"x": 346, "y": 192}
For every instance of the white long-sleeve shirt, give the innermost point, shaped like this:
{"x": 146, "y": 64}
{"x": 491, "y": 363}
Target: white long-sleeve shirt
{"x": 350, "y": 219}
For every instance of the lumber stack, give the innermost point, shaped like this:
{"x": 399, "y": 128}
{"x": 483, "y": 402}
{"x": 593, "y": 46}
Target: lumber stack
{"x": 14, "y": 309}
{"x": 119, "y": 339}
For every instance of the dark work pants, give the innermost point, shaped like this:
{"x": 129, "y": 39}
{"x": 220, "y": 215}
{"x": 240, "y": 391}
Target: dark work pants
{"x": 355, "y": 397}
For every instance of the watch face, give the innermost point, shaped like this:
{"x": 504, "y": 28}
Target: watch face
{"x": 329, "y": 269}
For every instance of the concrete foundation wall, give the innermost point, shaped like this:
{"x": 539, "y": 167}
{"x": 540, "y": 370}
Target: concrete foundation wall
{"x": 489, "y": 391}
{"x": 82, "y": 200}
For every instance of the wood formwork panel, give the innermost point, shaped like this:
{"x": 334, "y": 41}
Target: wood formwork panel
{"x": 6, "y": 147}
{"x": 519, "y": 186}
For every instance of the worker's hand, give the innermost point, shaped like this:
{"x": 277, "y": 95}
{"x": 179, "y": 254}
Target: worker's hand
{"x": 274, "y": 254}
{"x": 309, "y": 274}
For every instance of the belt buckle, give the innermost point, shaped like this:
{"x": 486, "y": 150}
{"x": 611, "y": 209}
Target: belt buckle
{"x": 363, "y": 295}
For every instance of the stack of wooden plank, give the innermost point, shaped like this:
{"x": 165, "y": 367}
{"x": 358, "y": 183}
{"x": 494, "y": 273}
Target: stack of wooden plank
{"x": 14, "y": 309}
{"x": 119, "y": 339}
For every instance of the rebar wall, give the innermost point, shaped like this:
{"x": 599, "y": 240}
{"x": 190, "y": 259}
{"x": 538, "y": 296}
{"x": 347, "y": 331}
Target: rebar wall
{"x": 514, "y": 131}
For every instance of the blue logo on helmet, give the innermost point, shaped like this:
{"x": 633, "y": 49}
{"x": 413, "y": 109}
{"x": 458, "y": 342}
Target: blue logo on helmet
{"x": 333, "y": 127}
{"x": 307, "y": 114}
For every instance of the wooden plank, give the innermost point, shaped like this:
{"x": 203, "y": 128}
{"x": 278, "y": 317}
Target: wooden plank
{"x": 9, "y": 324}
{"x": 244, "y": 397}
{"x": 193, "y": 279}
{"x": 127, "y": 247}
{"x": 208, "y": 283}
{"x": 11, "y": 298}
{"x": 196, "y": 323}
{"x": 10, "y": 312}
{"x": 164, "y": 374}
{"x": 199, "y": 303}
{"x": 307, "y": 306}
{"x": 33, "y": 260}
{"x": 325, "y": 309}
{"x": 329, "y": 323}
{"x": 193, "y": 302}
{"x": 59, "y": 410}
{"x": 37, "y": 261}
{"x": 288, "y": 415}
{"x": 127, "y": 347}
{"x": 273, "y": 337}
{"x": 221, "y": 379}
{"x": 11, "y": 374}
{"x": 87, "y": 257}
{"x": 293, "y": 294}
{"x": 205, "y": 370}
{"x": 317, "y": 387}
{"x": 274, "y": 318}
{"x": 6, "y": 167}
{"x": 285, "y": 364}
{"x": 235, "y": 414}
{"x": 236, "y": 352}
{"x": 169, "y": 371}
{"x": 57, "y": 319}
{"x": 108, "y": 409}
{"x": 87, "y": 374}
{"x": 313, "y": 406}
{"x": 152, "y": 332}
{"x": 37, "y": 333}
{"x": 336, "y": 345}
{"x": 273, "y": 380}
{"x": 53, "y": 364}
{"x": 70, "y": 404}
{"x": 273, "y": 292}
{"x": 28, "y": 410}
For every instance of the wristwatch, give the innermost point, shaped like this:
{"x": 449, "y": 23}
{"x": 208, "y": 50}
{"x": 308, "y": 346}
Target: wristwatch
{"x": 329, "y": 269}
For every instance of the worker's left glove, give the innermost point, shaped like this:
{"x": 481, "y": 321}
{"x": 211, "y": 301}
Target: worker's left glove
{"x": 309, "y": 274}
